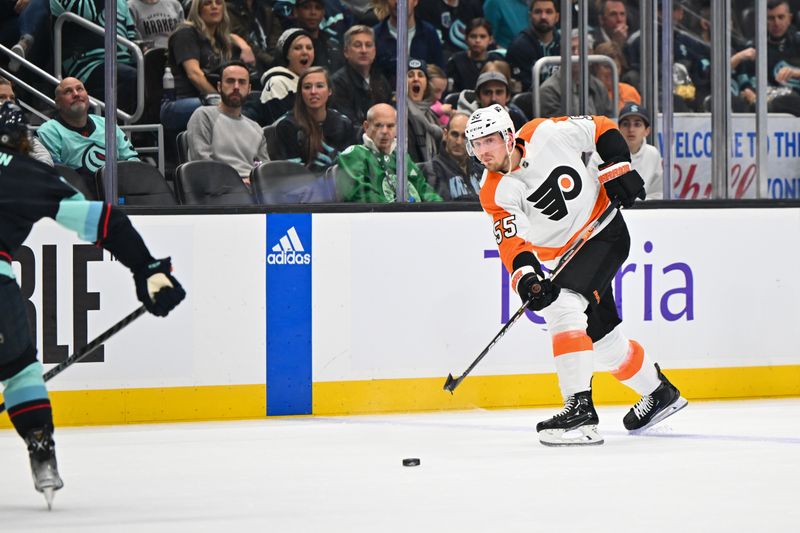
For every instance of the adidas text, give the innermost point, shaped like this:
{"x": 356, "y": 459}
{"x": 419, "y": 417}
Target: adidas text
{"x": 288, "y": 258}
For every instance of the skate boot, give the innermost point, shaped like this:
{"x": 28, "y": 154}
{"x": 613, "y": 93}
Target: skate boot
{"x": 42, "y": 451}
{"x": 666, "y": 400}
{"x": 578, "y": 415}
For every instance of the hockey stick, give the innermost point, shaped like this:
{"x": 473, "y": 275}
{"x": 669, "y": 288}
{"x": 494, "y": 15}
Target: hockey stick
{"x": 451, "y": 383}
{"x": 89, "y": 348}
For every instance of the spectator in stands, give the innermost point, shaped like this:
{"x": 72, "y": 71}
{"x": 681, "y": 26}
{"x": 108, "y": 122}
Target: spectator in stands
{"x": 464, "y": 67}
{"x": 311, "y": 133}
{"x": 280, "y": 82}
{"x": 335, "y": 22}
{"x": 550, "y": 92}
{"x": 198, "y": 46}
{"x": 77, "y": 139}
{"x": 368, "y": 172}
{"x": 492, "y": 88}
{"x": 38, "y": 151}
{"x": 453, "y": 174}
{"x": 425, "y": 44}
{"x": 221, "y": 132}
{"x": 450, "y": 18}
{"x": 308, "y": 15}
{"x": 541, "y": 38}
{"x": 359, "y": 84}
{"x": 155, "y": 20}
{"x": 424, "y": 128}
{"x": 255, "y": 22}
{"x": 468, "y": 100}
{"x": 626, "y": 92}
{"x": 783, "y": 63}
{"x": 84, "y": 51}
{"x": 437, "y": 79}
{"x": 507, "y": 17}
{"x": 634, "y": 124}
{"x": 613, "y": 22}
{"x": 24, "y": 24}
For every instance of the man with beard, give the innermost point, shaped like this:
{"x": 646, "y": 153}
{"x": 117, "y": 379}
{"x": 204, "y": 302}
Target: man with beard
{"x": 77, "y": 139}
{"x": 221, "y": 132}
{"x": 452, "y": 173}
{"x": 540, "y": 39}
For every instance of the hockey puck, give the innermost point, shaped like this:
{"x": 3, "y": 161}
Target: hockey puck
{"x": 412, "y": 461}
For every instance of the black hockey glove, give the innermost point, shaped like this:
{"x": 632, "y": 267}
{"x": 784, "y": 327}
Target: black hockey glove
{"x": 539, "y": 293}
{"x": 626, "y": 188}
{"x": 156, "y": 288}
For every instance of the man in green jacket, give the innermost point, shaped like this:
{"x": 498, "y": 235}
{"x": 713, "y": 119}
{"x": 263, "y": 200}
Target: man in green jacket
{"x": 368, "y": 172}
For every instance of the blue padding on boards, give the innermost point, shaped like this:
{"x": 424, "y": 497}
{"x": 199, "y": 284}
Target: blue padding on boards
{"x": 288, "y": 314}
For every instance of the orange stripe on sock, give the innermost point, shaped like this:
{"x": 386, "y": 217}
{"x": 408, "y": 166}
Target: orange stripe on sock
{"x": 570, "y": 342}
{"x": 632, "y": 364}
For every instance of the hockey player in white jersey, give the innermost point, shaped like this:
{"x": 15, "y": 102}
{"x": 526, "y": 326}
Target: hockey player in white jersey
{"x": 540, "y": 197}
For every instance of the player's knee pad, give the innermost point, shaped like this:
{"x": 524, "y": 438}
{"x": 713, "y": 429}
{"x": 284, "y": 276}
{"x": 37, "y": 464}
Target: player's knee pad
{"x": 566, "y": 313}
{"x": 612, "y": 350}
{"x": 12, "y": 367}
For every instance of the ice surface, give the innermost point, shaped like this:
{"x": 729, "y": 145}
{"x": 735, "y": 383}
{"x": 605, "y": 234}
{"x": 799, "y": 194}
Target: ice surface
{"x": 715, "y": 466}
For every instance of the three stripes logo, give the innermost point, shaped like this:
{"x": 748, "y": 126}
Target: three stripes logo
{"x": 289, "y": 250}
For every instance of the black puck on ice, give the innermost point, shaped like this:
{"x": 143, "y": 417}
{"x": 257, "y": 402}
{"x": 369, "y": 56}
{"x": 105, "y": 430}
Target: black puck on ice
{"x": 412, "y": 461}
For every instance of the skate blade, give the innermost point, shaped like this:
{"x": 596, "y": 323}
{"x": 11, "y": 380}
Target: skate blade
{"x": 559, "y": 437}
{"x": 49, "y": 493}
{"x": 673, "y": 408}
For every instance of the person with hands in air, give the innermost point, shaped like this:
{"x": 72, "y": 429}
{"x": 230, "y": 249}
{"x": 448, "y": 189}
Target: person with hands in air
{"x": 29, "y": 192}
{"x": 541, "y": 200}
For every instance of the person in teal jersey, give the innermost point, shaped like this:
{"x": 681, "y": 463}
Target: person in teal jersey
{"x": 77, "y": 139}
{"x": 29, "y": 192}
{"x": 84, "y": 51}
{"x": 507, "y": 17}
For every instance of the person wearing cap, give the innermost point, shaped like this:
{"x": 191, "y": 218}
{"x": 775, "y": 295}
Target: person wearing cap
{"x": 634, "y": 124}
{"x": 280, "y": 82}
{"x": 492, "y": 88}
{"x": 541, "y": 38}
{"x": 424, "y": 128}
{"x": 424, "y": 43}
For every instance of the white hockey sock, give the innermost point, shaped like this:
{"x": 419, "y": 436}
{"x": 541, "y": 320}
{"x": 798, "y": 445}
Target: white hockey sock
{"x": 628, "y": 362}
{"x": 573, "y": 354}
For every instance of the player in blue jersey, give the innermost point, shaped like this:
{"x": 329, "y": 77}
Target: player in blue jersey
{"x": 30, "y": 191}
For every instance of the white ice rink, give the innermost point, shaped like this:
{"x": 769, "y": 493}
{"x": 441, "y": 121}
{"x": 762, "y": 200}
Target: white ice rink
{"x": 727, "y": 466}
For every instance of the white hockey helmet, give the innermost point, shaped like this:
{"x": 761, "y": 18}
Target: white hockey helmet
{"x": 488, "y": 120}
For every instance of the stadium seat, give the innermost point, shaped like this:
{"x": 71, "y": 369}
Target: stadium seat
{"x": 183, "y": 148}
{"x": 274, "y": 147}
{"x": 78, "y": 181}
{"x": 210, "y": 183}
{"x": 138, "y": 184}
{"x": 524, "y": 101}
{"x": 155, "y": 60}
{"x": 285, "y": 182}
{"x": 451, "y": 99}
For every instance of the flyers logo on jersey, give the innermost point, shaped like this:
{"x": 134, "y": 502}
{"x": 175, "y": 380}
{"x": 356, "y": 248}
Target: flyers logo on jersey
{"x": 563, "y": 184}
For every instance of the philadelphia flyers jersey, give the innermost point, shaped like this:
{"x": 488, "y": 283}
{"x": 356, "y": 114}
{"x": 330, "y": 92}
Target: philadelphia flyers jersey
{"x": 544, "y": 204}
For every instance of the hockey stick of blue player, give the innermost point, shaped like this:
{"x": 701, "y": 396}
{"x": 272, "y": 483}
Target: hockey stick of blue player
{"x": 89, "y": 348}
{"x": 451, "y": 383}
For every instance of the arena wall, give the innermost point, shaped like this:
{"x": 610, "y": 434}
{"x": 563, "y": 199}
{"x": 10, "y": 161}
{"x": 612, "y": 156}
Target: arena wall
{"x": 345, "y": 313}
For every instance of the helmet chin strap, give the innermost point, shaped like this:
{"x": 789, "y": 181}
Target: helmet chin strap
{"x": 509, "y": 151}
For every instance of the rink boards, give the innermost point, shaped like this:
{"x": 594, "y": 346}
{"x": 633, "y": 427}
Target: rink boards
{"x": 341, "y": 313}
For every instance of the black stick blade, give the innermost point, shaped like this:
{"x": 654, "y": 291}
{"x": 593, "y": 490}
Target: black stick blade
{"x": 450, "y": 383}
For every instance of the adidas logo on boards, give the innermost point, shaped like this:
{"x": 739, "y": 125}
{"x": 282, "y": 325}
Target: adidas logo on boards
{"x": 289, "y": 250}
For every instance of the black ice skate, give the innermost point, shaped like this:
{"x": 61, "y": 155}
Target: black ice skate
{"x": 42, "y": 451}
{"x": 578, "y": 415}
{"x": 666, "y": 400}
